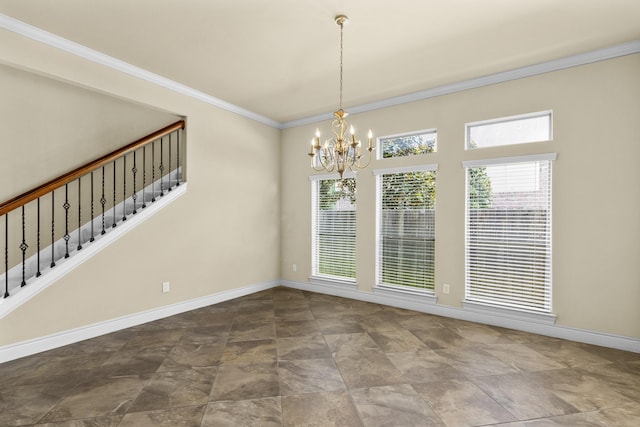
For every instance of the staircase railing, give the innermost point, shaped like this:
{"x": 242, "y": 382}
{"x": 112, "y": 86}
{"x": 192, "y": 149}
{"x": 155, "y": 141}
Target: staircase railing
{"x": 112, "y": 188}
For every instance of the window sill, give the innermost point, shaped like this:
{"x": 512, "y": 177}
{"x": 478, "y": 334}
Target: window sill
{"x": 510, "y": 313}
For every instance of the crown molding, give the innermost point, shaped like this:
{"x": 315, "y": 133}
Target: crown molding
{"x": 611, "y": 52}
{"x": 37, "y": 34}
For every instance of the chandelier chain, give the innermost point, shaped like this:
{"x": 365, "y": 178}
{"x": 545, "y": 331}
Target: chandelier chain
{"x": 341, "y": 31}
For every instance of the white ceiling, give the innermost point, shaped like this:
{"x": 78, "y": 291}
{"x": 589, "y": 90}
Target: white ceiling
{"x": 279, "y": 58}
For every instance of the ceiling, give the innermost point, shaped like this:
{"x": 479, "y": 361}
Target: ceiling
{"x": 279, "y": 58}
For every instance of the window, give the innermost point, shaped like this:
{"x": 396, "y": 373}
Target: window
{"x": 509, "y": 130}
{"x": 409, "y": 144}
{"x": 508, "y": 232}
{"x": 334, "y": 228}
{"x": 406, "y": 227}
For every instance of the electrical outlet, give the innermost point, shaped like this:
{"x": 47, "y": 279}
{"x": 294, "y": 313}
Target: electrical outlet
{"x": 165, "y": 287}
{"x": 445, "y": 288}
{"x": 294, "y": 268}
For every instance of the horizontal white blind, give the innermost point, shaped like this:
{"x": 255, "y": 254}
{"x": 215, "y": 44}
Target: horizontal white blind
{"x": 508, "y": 235}
{"x": 406, "y": 227}
{"x": 334, "y": 228}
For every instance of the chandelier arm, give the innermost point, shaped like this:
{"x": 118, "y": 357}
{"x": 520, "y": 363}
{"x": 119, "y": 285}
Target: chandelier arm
{"x": 315, "y": 158}
{"x": 330, "y": 168}
{"x": 315, "y": 168}
{"x": 360, "y": 165}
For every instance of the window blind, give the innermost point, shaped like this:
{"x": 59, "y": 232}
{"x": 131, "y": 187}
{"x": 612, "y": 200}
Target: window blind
{"x": 406, "y": 229}
{"x": 334, "y": 228}
{"x": 508, "y": 235}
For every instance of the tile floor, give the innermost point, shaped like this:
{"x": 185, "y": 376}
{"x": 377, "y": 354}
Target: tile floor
{"x": 284, "y": 357}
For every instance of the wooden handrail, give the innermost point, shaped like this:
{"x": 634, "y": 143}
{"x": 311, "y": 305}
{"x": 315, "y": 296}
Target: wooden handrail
{"x": 70, "y": 176}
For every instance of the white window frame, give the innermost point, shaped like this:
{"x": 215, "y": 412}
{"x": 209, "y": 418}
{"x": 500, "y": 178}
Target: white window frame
{"x": 315, "y": 276}
{"x": 540, "y": 316}
{"x": 425, "y": 295}
{"x": 468, "y": 126}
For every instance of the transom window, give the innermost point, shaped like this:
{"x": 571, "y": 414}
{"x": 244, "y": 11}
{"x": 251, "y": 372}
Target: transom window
{"x": 521, "y": 129}
{"x": 409, "y": 144}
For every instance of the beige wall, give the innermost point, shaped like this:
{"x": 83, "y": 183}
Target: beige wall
{"x": 222, "y": 234}
{"x": 241, "y": 205}
{"x": 596, "y": 199}
{"x": 51, "y": 127}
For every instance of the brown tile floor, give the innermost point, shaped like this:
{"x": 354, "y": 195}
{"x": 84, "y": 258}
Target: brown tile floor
{"x": 289, "y": 358}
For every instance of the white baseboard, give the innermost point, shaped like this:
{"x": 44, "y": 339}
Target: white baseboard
{"x": 27, "y": 348}
{"x": 489, "y": 318}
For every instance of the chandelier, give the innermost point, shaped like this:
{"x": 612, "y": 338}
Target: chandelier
{"x": 339, "y": 152}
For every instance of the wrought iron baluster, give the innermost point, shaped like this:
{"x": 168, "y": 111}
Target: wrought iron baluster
{"x": 91, "y": 239}
{"x": 161, "y": 167}
{"x": 79, "y": 214}
{"x": 153, "y": 171}
{"x": 169, "y": 188}
{"x": 38, "y": 273}
{"x": 134, "y": 170}
{"x": 6, "y": 255}
{"x": 124, "y": 187}
{"x": 66, "y": 207}
{"x": 114, "y": 195}
{"x": 53, "y": 229}
{"x": 178, "y": 157}
{"x": 144, "y": 175}
{"x": 103, "y": 201}
{"x": 23, "y": 247}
